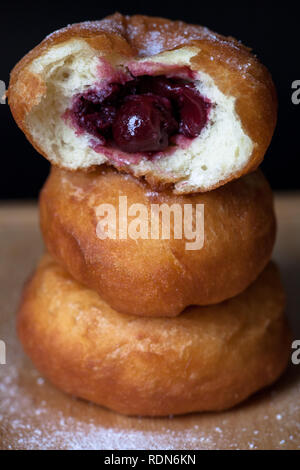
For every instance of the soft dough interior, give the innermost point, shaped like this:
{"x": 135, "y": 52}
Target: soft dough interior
{"x": 221, "y": 149}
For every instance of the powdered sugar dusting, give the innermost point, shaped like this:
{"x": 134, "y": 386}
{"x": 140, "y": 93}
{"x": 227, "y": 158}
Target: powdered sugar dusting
{"x": 35, "y": 415}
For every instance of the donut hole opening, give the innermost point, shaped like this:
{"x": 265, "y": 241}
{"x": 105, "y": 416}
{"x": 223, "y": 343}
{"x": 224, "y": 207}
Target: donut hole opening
{"x": 92, "y": 104}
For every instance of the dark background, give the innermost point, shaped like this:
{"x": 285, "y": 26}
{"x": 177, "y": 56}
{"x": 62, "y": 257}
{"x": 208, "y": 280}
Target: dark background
{"x": 272, "y": 31}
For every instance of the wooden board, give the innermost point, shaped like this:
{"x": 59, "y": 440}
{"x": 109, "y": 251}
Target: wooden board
{"x": 35, "y": 415}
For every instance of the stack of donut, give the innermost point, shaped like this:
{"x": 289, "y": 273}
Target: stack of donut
{"x": 152, "y": 113}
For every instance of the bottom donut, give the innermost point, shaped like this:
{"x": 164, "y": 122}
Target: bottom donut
{"x": 207, "y": 358}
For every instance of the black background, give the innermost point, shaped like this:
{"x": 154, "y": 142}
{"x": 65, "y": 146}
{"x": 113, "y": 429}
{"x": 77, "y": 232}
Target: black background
{"x": 271, "y": 30}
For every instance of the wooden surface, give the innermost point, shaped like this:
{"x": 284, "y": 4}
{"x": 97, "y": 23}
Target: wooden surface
{"x": 34, "y": 415}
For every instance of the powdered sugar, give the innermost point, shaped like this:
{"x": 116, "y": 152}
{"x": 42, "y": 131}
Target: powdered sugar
{"x": 35, "y": 415}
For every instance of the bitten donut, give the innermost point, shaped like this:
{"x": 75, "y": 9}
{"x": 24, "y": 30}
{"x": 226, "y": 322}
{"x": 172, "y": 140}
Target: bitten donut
{"x": 208, "y": 358}
{"x": 176, "y": 104}
{"x": 153, "y": 271}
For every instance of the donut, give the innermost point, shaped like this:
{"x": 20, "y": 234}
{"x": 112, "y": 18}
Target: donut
{"x": 153, "y": 272}
{"x": 206, "y": 359}
{"x": 175, "y": 104}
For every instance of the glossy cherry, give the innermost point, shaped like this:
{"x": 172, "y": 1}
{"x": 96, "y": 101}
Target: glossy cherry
{"x": 144, "y": 124}
{"x": 142, "y": 114}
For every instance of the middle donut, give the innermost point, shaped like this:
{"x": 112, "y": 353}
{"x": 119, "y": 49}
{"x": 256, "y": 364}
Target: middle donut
{"x": 153, "y": 254}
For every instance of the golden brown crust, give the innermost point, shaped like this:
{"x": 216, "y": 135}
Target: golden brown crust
{"x": 158, "y": 277}
{"x": 26, "y": 88}
{"x": 235, "y": 70}
{"x": 208, "y": 358}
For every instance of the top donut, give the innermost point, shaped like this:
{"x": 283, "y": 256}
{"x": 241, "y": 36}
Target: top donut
{"x": 173, "y": 103}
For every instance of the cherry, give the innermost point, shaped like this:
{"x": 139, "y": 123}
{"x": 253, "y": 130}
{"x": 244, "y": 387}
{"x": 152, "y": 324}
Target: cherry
{"x": 193, "y": 113}
{"x": 192, "y": 108}
{"x": 142, "y": 114}
{"x": 143, "y": 124}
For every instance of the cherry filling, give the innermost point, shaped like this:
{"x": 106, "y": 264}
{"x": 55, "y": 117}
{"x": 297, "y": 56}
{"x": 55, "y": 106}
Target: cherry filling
{"x": 142, "y": 114}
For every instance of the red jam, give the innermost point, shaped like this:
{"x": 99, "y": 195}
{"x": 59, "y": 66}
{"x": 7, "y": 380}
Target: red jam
{"x": 142, "y": 114}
